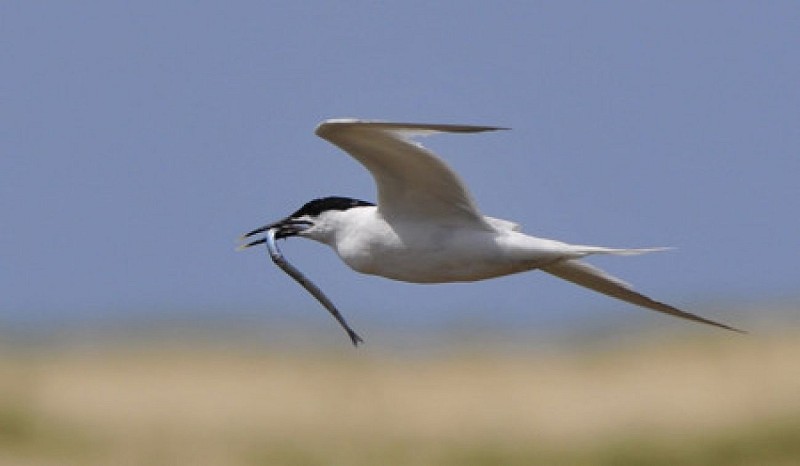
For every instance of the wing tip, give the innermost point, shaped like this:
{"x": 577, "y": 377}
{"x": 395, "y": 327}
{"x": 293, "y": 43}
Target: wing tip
{"x": 327, "y": 126}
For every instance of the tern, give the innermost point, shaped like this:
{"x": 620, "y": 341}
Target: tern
{"x": 426, "y": 227}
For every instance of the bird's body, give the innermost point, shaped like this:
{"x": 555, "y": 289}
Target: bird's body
{"x": 418, "y": 252}
{"x": 426, "y": 228}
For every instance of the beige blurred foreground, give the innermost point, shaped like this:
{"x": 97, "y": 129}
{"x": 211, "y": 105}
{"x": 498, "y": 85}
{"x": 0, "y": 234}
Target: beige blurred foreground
{"x": 713, "y": 399}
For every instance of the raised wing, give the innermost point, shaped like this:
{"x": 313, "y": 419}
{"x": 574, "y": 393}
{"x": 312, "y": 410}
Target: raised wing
{"x": 413, "y": 183}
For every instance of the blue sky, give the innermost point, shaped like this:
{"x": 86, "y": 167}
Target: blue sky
{"x": 139, "y": 139}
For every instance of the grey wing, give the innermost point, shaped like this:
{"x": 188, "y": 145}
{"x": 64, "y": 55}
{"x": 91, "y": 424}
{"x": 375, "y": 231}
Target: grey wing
{"x": 412, "y": 182}
{"x": 595, "y": 279}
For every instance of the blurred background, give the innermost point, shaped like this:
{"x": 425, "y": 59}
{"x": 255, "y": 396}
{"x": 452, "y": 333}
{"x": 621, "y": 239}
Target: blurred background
{"x": 140, "y": 139}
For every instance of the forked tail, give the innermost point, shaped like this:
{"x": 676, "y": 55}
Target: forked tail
{"x": 618, "y": 251}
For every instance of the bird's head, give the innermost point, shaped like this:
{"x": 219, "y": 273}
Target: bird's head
{"x": 307, "y": 221}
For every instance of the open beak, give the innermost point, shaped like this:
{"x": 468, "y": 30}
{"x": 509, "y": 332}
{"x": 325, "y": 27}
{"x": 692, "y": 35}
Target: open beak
{"x": 283, "y": 229}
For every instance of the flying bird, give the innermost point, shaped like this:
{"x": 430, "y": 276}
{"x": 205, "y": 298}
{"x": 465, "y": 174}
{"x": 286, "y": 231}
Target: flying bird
{"x": 426, "y": 228}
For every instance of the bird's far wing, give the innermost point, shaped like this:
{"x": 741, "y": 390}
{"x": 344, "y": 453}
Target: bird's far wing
{"x": 595, "y": 279}
{"x": 413, "y": 183}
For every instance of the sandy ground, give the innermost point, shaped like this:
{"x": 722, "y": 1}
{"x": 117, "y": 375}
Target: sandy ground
{"x": 185, "y": 404}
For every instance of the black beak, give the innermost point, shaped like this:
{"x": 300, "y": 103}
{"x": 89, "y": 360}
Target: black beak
{"x": 284, "y": 229}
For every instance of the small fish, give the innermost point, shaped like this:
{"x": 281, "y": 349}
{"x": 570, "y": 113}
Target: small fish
{"x": 277, "y": 257}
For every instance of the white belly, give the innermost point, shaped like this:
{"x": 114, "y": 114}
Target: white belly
{"x": 436, "y": 257}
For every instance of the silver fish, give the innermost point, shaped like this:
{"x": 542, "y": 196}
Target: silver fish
{"x": 277, "y": 257}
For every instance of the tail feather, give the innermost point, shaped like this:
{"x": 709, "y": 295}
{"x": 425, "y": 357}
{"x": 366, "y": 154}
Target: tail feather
{"x": 595, "y": 279}
{"x": 618, "y": 251}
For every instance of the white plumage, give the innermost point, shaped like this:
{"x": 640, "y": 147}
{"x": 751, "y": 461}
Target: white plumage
{"x": 426, "y": 228}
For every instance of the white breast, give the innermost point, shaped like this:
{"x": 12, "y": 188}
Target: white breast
{"x": 421, "y": 253}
